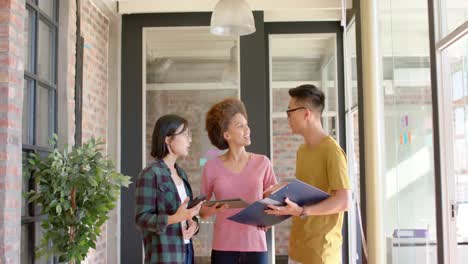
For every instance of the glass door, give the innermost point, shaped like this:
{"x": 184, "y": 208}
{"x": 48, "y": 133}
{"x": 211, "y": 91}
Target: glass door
{"x": 454, "y": 128}
{"x": 297, "y": 59}
{"x": 352, "y": 144}
{"x": 185, "y": 71}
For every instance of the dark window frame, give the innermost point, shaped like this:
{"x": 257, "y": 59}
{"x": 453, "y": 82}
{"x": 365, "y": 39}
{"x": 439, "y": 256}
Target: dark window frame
{"x": 34, "y": 82}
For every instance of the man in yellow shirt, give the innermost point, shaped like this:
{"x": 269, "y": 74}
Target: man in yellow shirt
{"x": 316, "y": 236}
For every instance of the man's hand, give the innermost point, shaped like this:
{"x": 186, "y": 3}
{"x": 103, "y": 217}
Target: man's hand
{"x": 273, "y": 188}
{"x": 291, "y": 208}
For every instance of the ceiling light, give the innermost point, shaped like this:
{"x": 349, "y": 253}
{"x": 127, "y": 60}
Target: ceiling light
{"x": 232, "y": 18}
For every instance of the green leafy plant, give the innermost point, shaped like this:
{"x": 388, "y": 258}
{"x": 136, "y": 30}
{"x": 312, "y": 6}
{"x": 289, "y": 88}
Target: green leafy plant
{"x": 76, "y": 190}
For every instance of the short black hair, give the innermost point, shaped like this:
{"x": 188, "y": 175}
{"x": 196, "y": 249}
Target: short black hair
{"x": 166, "y": 126}
{"x": 310, "y": 95}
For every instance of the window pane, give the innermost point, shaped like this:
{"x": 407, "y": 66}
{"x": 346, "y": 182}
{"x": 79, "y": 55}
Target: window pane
{"x": 38, "y": 234}
{"x": 45, "y": 52}
{"x": 48, "y": 7}
{"x": 27, "y": 124}
{"x": 454, "y": 13}
{"x": 44, "y": 115}
{"x": 408, "y": 179}
{"x": 28, "y": 29}
{"x": 31, "y": 235}
{"x": 26, "y": 247}
{"x": 351, "y": 69}
{"x": 25, "y": 188}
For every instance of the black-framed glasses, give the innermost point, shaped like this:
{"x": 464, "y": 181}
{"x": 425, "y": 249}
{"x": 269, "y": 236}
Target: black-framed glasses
{"x": 294, "y": 109}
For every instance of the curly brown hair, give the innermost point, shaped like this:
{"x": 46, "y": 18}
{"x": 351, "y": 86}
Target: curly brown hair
{"x": 218, "y": 118}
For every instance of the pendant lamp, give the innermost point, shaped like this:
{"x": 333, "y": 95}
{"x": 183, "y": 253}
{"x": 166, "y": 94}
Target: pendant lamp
{"x": 232, "y": 18}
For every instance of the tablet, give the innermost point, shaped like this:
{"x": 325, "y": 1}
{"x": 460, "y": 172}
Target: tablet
{"x": 233, "y": 203}
{"x": 200, "y": 198}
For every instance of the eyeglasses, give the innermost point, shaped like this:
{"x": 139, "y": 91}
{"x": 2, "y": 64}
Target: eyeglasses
{"x": 187, "y": 133}
{"x": 294, "y": 109}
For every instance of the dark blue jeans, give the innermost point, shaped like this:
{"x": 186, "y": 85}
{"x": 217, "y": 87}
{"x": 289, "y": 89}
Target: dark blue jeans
{"x": 189, "y": 253}
{"x": 236, "y": 257}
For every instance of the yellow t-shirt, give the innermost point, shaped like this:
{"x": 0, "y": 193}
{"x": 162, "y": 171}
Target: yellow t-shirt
{"x": 317, "y": 239}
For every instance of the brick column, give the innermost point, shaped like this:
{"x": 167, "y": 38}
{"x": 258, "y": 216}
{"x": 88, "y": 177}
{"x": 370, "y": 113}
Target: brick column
{"x": 11, "y": 99}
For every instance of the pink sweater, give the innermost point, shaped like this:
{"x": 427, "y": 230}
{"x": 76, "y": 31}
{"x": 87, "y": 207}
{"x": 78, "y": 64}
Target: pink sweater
{"x": 249, "y": 185}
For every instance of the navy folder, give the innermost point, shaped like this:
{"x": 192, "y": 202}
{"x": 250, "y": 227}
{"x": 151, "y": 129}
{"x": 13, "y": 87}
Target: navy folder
{"x": 297, "y": 191}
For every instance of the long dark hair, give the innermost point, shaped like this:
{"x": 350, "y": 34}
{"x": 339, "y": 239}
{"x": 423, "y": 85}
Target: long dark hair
{"x": 166, "y": 126}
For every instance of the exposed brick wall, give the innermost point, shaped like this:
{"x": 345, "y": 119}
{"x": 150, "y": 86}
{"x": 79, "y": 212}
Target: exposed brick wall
{"x": 71, "y": 74}
{"x": 12, "y": 14}
{"x": 95, "y": 31}
{"x": 284, "y": 149}
{"x": 285, "y": 146}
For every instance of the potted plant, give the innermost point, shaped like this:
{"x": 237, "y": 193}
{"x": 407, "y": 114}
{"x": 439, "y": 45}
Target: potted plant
{"x": 76, "y": 190}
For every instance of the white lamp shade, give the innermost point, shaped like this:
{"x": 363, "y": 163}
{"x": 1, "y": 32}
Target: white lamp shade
{"x": 232, "y": 18}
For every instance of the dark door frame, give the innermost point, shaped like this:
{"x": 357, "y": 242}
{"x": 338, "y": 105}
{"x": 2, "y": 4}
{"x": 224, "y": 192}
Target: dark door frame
{"x": 314, "y": 28}
{"x": 253, "y": 93}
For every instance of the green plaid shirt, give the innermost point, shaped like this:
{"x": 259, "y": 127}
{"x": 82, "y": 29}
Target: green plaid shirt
{"x": 156, "y": 199}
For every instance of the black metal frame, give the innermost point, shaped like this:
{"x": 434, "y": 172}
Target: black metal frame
{"x": 34, "y": 81}
{"x": 436, "y": 138}
{"x": 351, "y": 16}
{"x": 313, "y": 28}
{"x": 79, "y": 77}
{"x": 131, "y": 118}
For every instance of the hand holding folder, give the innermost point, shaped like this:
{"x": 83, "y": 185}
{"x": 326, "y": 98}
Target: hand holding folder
{"x": 297, "y": 191}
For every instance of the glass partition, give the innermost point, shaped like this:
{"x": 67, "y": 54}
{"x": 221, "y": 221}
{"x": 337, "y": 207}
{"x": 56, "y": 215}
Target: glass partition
{"x": 408, "y": 181}
{"x": 453, "y": 13}
{"x": 186, "y": 71}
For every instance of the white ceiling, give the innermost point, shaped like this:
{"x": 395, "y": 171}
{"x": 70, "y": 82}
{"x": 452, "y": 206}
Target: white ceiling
{"x": 274, "y": 10}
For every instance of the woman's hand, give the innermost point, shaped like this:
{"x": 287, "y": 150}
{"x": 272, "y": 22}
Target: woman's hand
{"x": 184, "y": 214}
{"x": 192, "y": 228}
{"x": 208, "y": 211}
{"x": 264, "y": 228}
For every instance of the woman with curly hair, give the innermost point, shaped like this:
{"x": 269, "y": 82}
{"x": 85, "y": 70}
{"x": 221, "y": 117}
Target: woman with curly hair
{"x": 235, "y": 174}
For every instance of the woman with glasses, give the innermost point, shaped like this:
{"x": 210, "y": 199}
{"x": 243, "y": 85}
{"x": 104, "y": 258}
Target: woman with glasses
{"x": 162, "y": 195}
{"x": 235, "y": 174}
